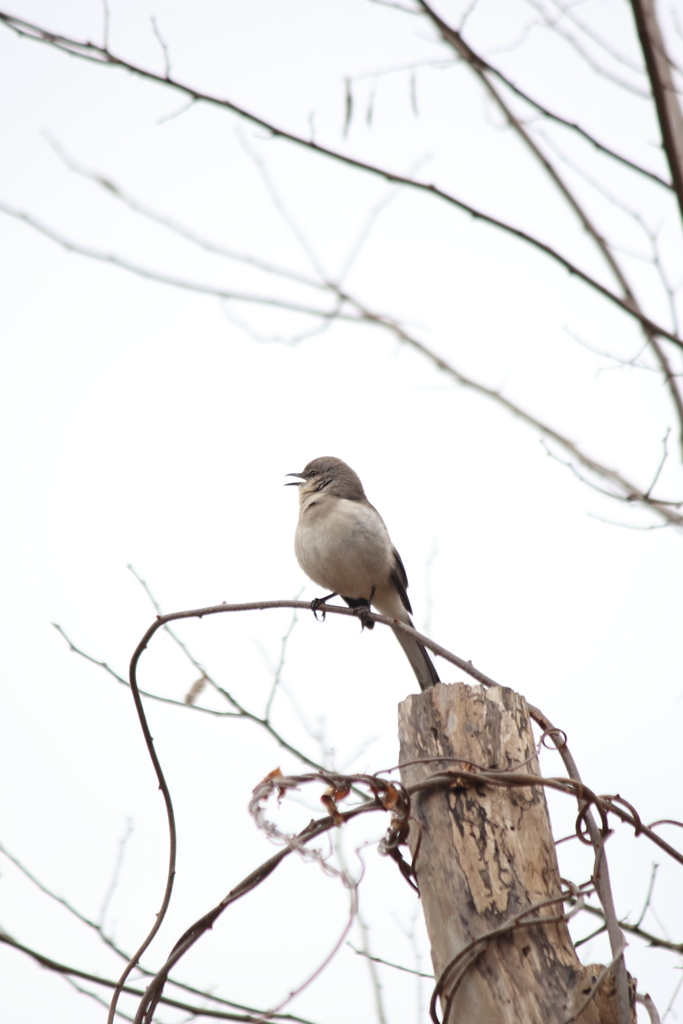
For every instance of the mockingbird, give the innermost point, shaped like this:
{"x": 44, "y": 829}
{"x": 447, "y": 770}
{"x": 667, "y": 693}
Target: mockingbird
{"x": 342, "y": 543}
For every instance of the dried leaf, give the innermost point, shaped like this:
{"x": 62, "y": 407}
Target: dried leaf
{"x": 390, "y": 798}
{"x": 195, "y": 690}
{"x": 275, "y": 774}
{"x": 328, "y": 800}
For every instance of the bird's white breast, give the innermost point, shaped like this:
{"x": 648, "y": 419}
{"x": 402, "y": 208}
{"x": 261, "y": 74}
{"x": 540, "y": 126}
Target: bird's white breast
{"x": 343, "y": 546}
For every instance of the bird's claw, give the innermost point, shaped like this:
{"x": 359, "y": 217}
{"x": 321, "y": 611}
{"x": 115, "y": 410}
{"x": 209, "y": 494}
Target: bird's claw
{"x": 317, "y": 603}
{"x": 363, "y": 612}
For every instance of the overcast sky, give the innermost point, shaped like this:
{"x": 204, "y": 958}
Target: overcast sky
{"x": 152, "y": 426}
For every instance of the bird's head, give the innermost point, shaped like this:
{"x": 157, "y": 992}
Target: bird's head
{"x": 329, "y": 475}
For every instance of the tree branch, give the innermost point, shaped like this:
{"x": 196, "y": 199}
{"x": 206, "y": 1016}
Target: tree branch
{"x": 456, "y": 41}
{"x": 99, "y": 55}
{"x": 663, "y": 90}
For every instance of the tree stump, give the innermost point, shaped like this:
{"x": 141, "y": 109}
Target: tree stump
{"x": 484, "y": 854}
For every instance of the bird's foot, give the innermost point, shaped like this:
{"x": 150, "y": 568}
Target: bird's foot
{"x": 316, "y": 603}
{"x": 362, "y": 611}
{"x": 362, "y": 608}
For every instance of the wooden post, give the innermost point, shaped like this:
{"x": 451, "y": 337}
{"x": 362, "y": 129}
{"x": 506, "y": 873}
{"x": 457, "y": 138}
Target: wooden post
{"x": 483, "y": 855}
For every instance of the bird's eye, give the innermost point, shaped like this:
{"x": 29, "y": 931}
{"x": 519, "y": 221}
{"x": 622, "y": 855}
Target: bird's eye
{"x": 312, "y": 474}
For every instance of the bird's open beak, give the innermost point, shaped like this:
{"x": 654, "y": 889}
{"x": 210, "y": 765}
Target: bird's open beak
{"x": 294, "y": 483}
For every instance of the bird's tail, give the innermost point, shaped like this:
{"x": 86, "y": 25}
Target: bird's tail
{"x": 421, "y": 663}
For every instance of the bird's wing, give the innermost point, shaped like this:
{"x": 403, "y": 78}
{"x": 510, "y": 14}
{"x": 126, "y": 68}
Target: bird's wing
{"x": 400, "y": 580}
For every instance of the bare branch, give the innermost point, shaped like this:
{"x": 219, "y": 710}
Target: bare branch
{"x": 116, "y": 872}
{"x": 98, "y": 55}
{"x": 153, "y": 275}
{"x": 145, "y": 693}
{"x": 455, "y": 40}
{"x": 663, "y": 90}
{"x": 674, "y": 996}
{"x": 240, "y": 710}
{"x": 108, "y": 941}
{"x": 626, "y": 490}
{"x": 388, "y": 963}
{"x": 489, "y": 68}
{"x": 630, "y": 492}
{"x": 314, "y": 829}
{"x": 117, "y": 192}
{"x": 280, "y": 665}
{"x": 635, "y": 929}
{"x": 601, "y": 490}
{"x": 614, "y": 805}
{"x": 164, "y": 47}
{"x": 568, "y": 12}
{"x": 341, "y": 786}
{"x": 198, "y": 1011}
{"x": 105, "y": 31}
{"x": 578, "y": 46}
{"x": 660, "y": 467}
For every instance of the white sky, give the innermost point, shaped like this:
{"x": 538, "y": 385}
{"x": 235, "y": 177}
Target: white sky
{"x": 141, "y": 425}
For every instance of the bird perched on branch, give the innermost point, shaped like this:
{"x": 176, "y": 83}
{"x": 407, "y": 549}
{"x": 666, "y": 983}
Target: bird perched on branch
{"x": 342, "y": 543}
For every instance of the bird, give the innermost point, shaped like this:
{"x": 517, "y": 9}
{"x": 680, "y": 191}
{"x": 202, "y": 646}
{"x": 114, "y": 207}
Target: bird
{"x": 342, "y": 544}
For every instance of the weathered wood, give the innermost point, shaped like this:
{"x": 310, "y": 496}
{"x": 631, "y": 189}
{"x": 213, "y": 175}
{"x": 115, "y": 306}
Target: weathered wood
{"x": 486, "y": 854}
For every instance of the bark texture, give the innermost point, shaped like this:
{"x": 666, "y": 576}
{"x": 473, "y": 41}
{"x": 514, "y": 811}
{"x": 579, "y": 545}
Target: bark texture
{"x": 484, "y": 854}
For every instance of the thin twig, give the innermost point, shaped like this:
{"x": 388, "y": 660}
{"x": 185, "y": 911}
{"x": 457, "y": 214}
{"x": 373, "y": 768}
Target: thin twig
{"x": 240, "y": 710}
{"x": 145, "y": 693}
{"x": 109, "y": 942}
{"x": 116, "y": 191}
{"x": 75, "y": 972}
{"x": 388, "y": 963}
{"x": 634, "y": 929}
{"x": 111, "y": 889}
{"x": 105, "y": 28}
{"x": 642, "y": 92}
{"x": 164, "y": 47}
{"x": 175, "y": 282}
{"x": 280, "y": 665}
